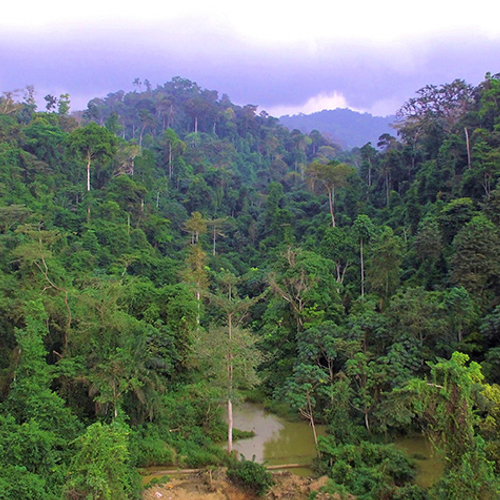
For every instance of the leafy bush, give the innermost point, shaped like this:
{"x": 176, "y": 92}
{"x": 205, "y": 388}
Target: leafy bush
{"x": 251, "y": 475}
{"x": 411, "y": 492}
{"x": 17, "y": 482}
{"x": 368, "y": 470}
{"x": 473, "y": 478}
{"x": 148, "y": 447}
{"x": 101, "y": 466}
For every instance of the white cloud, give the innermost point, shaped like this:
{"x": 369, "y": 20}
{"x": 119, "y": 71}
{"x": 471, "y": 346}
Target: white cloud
{"x": 385, "y": 107}
{"x": 332, "y": 100}
{"x": 264, "y": 22}
{"x": 324, "y": 100}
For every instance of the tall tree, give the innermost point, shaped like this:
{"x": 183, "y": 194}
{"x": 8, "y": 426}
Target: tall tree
{"x": 230, "y": 347}
{"x": 384, "y": 266}
{"x": 475, "y": 263}
{"x": 92, "y": 143}
{"x": 364, "y": 229}
{"x": 330, "y": 176}
{"x": 196, "y": 225}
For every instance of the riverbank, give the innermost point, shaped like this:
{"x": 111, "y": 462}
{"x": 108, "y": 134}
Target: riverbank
{"x": 216, "y": 486}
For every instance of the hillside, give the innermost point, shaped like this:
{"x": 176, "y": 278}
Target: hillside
{"x": 344, "y": 127}
{"x": 168, "y": 252}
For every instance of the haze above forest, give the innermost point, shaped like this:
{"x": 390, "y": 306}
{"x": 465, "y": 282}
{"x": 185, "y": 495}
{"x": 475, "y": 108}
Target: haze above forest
{"x": 365, "y": 56}
{"x": 344, "y": 127}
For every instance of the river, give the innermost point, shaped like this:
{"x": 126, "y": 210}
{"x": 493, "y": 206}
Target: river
{"x": 430, "y": 467}
{"x": 279, "y": 442}
{"x": 276, "y": 441}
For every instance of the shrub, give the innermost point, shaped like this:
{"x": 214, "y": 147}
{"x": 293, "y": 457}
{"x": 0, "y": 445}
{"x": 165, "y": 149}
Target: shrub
{"x": 101, "y": 466}
{"x": 251, "y": 475}
{"x": 367, "y": 470}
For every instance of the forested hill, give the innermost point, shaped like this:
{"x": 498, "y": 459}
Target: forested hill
{"x": 347, "y": 128}
{"x": 167, "y": 252}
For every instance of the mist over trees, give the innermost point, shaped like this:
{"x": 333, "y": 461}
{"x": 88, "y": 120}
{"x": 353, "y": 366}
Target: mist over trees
{"x": 345, "y": 127}
{"x": 166, "y": 252}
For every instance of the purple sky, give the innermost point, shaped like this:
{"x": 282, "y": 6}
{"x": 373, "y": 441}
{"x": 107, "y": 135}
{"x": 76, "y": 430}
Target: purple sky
{"x": 369, "y": 56}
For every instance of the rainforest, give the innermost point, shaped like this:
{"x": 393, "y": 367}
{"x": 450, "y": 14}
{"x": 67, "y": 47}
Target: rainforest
{"x": 166, "y": 254}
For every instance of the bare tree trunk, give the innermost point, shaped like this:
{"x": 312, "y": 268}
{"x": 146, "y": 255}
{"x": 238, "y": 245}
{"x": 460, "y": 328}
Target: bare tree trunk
{"x": 310, "y": 416}
{"x": 468, "y": 147}
{"x": 315, "y": 435}
{"x": 330, "y": 200}
{"x": 198, "y": 305}
{"x": 88, "y": 171}
{"x": 362, "y": 268}
{"x": 387, "y": 191}
{"x": 230, "y": 386}
{"x": 229, "y": 425}
{"x": 170, "y": 160}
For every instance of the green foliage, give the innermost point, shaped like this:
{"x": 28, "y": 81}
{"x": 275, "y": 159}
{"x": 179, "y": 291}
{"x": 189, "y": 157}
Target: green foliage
{"x": 368, "y": 283}
{"x": 186, "y": 426}
{"x": 93, "y": 143}
{"x": 475, "y": 263}
{"x": 366, "y": 470}
{"x": 251, "y": 475}
{"x": 447, "y": 407}
{"x": 101, "y": 467}
{"x": 473, "y": 478}
{"x": 36, "y": 426}
{"x": 17, "y": 482}
{"x": 383, "y": 273}
{"x": 150, "y": 448}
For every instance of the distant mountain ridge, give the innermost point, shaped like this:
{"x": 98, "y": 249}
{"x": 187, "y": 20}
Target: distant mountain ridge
{"x": 345, "y": 127}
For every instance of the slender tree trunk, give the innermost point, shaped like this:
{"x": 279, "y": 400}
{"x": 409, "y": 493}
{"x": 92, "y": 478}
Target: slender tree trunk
{"x": 170, "y": 160}
{"x": 315, "y": 435}
{"x": 230, "y": 386}
{"x": 229, "y": 425}
{"x": 310, "y": 416}
{"x": 387, "y": 187}
{"x": 330, "y": 200}
{"x": 170, "y": 114}
{"x": 89, "y": 157}
{"x": 468, "y": 147}
{"x": 362, "y": 267}
{"x": 198, "y": 305}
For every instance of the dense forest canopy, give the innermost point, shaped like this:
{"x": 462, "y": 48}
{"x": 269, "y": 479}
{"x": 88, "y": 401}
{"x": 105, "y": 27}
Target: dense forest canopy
{"x": 165, "y": 251}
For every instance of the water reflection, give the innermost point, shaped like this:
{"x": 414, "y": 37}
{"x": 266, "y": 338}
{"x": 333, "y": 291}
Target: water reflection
{"x": 279, "y": 442}
{"x": 430, "y": 466}
{"x": 276, "y": 440}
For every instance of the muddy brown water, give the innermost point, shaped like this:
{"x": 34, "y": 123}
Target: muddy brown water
{"x": 280, "y": 442}
{"x": 430, "y": 466}
{"x": 276, "y": 441}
